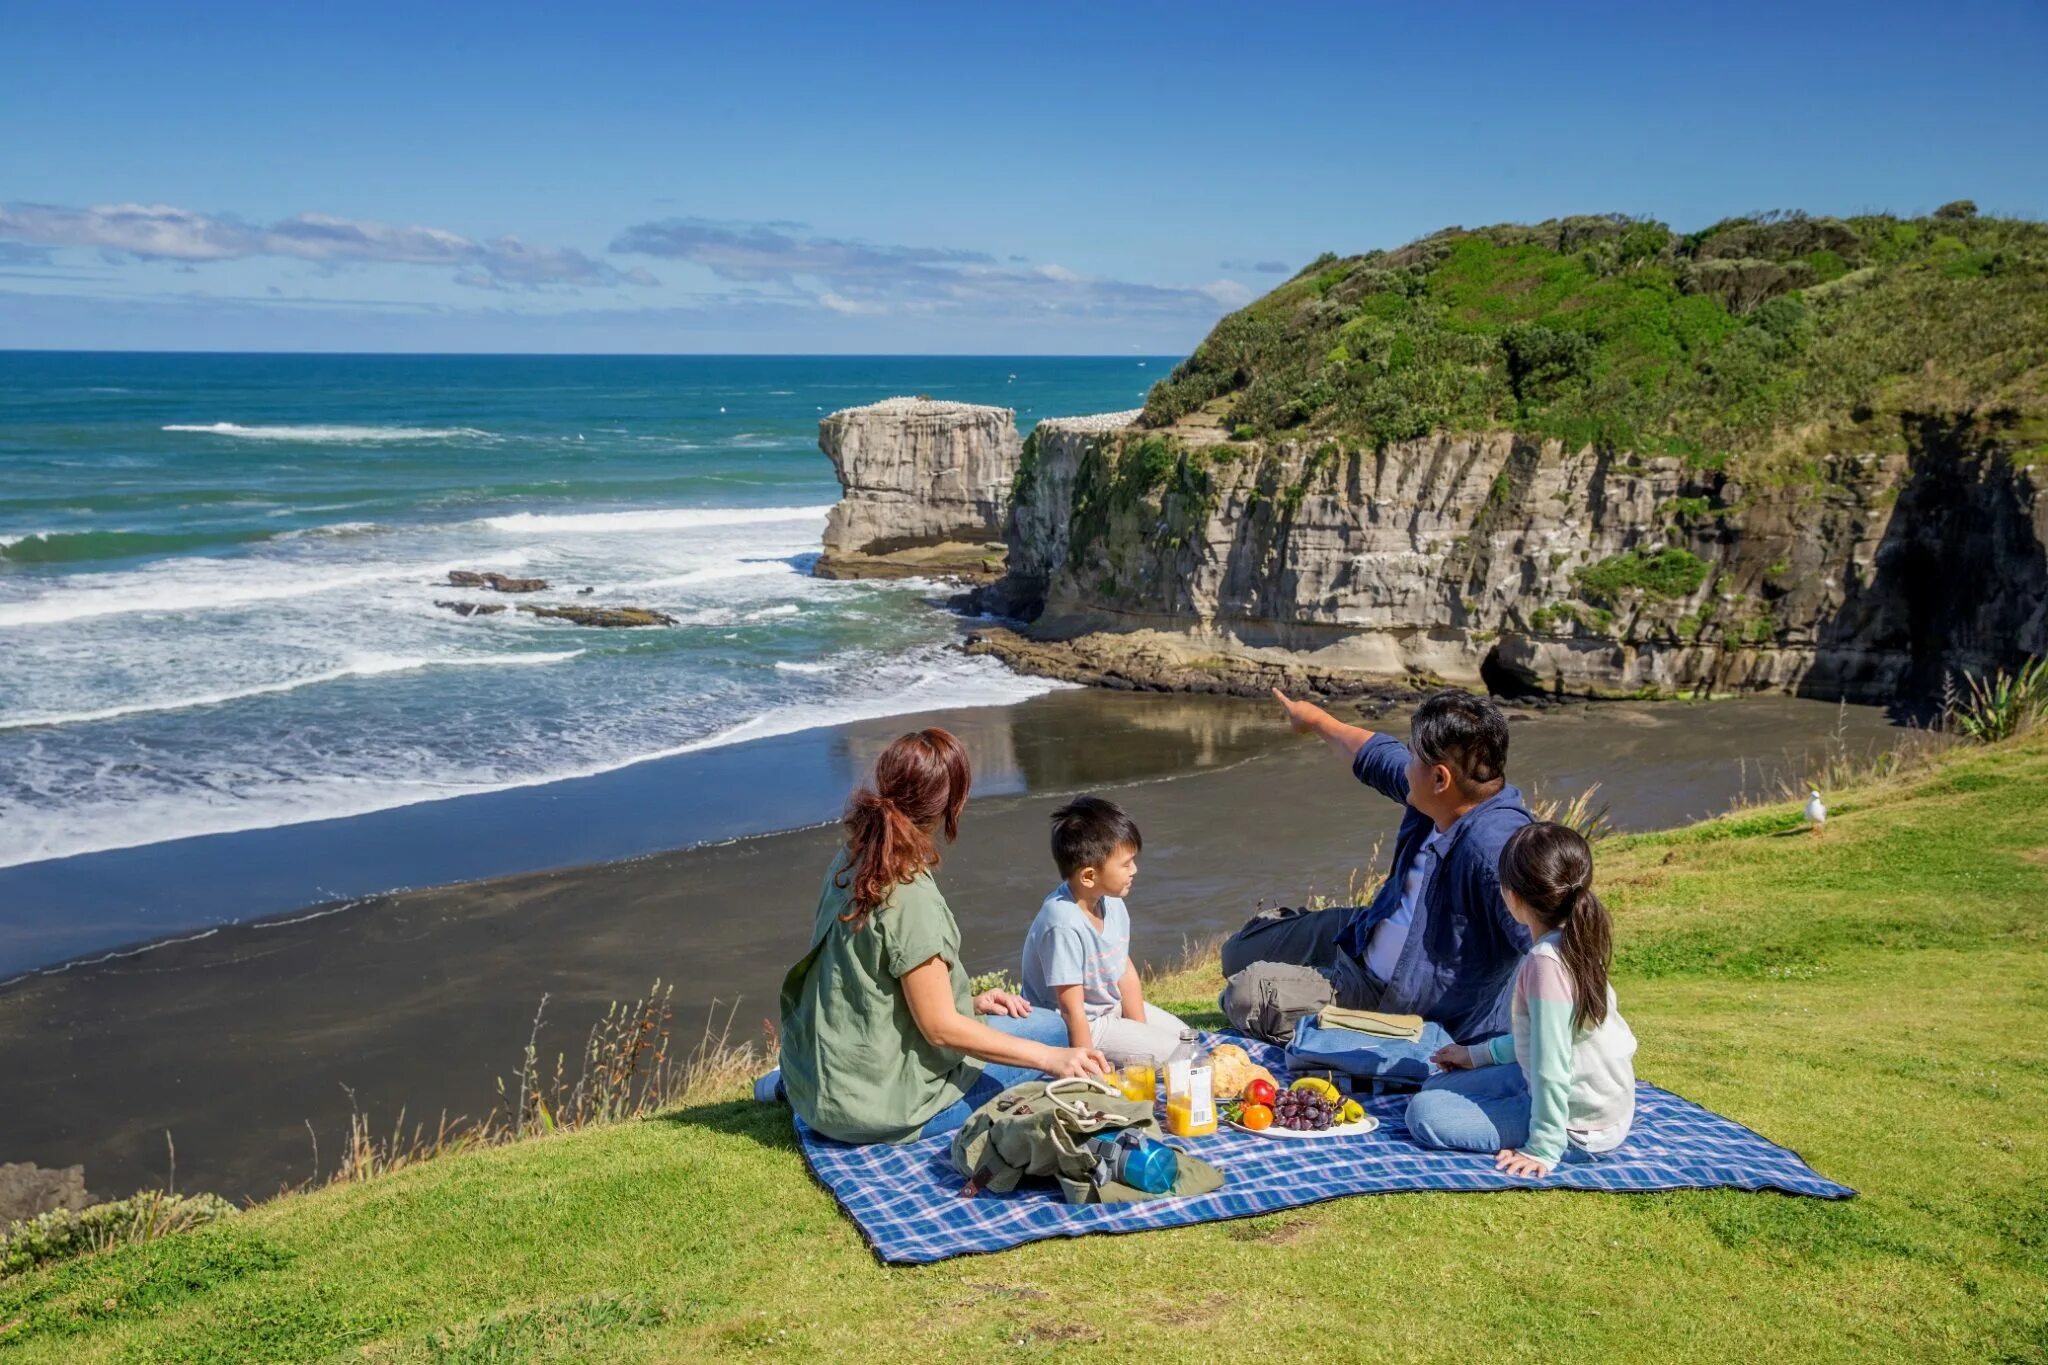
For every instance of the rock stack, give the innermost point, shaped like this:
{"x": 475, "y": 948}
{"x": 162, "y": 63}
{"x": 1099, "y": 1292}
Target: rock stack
{"x": 925, "y": 488}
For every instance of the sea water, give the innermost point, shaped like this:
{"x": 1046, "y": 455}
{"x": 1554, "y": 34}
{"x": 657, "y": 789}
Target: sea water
{"x": 218, "y": 575}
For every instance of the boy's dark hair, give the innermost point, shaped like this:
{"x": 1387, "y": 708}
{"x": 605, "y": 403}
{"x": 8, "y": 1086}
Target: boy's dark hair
{"x": 1087, "y": 830}
{"x": 1466, "y": 734}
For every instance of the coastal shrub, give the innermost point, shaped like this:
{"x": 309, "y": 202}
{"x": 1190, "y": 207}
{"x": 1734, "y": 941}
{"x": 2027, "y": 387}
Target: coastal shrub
{"x": 1584, "y": 813}
{"x": 1663, "y": 573}
{"x": 998, "y": 980}
{"x": 65, "y": 1233}
{"x": 1741, "y": 346}
{"x": 2004, "y": 704}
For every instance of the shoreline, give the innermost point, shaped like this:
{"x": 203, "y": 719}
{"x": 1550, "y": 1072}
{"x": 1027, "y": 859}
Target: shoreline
{"x": 414, "y": 1001}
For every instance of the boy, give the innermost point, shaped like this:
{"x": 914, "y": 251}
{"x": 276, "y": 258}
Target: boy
{"x": 1077, "y": 957}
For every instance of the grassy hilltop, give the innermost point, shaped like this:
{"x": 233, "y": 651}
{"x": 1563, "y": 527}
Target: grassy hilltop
{"x": 1875, "y": 998}
{"x": 1762, "y": 340}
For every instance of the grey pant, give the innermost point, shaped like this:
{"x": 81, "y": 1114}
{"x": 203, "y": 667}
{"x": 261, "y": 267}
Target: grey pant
{"x": 1286, "y": 963}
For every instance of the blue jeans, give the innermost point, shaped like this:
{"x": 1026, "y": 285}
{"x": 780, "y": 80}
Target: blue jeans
{"x": 1374, "y": 1064}
{"x": 1040, "y": 1026}
{"x": 1485, "y": 1109}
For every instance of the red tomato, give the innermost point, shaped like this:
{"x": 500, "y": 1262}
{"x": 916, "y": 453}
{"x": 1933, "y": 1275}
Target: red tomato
{"x": 1260, "y": 1091}
{"x": 1256, "y": 1116}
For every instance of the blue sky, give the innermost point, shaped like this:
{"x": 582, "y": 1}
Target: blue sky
{"x": 1053, "y": 178}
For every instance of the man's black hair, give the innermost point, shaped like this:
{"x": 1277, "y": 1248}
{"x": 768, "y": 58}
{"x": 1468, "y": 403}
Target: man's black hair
{"x": 1465, "y": 733}
{"x": 1087, "y": 831}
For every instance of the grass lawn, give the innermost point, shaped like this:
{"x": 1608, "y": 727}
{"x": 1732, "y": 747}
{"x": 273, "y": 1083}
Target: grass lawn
{"x": 1876, "y": 998}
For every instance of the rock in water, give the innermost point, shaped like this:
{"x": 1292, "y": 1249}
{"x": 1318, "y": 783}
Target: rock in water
{"x": 925, "y": 484}
{"x": 473, "y": 608}
{"x": 496, "y": 582}
{"x": 27, "y": 1190}
{"x": 614, "y": 617}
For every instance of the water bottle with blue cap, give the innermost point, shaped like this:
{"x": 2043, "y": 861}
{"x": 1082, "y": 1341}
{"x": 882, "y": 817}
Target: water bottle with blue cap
{"x": 1128, "y": 1157}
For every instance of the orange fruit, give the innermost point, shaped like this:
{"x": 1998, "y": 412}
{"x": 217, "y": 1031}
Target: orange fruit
{"x": 1256, "y": 1116}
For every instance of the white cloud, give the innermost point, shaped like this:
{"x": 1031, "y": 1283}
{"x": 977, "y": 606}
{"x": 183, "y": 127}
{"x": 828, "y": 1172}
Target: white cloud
{"x": 164, "y": 232}
{"x": 852, "y": 277}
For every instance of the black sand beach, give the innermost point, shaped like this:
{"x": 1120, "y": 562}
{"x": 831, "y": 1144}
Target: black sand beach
{"x": 416, "y": 1001}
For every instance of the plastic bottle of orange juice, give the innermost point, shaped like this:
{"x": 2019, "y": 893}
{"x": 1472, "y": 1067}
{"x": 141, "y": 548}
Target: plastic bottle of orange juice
{"x": 1190, "y": 1089}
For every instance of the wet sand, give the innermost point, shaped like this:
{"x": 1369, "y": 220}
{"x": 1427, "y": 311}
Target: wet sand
{"x": 418, "y": 1000}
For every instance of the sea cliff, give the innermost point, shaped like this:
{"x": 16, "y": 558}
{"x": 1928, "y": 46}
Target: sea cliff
{"x": 1155, "y": 560}
{"x": 1585, "y": 457}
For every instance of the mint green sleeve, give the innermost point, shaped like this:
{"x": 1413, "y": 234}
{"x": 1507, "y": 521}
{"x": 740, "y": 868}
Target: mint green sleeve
{"x": 1549, "y": 998}
{"x": 1498, "y": 1050}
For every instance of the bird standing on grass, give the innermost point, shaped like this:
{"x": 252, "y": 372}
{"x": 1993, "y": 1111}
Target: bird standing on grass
{"x": 1816, "y": 813}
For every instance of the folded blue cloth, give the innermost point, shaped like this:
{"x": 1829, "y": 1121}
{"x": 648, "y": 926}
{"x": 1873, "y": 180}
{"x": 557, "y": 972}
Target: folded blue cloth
{"x": 906, "y": 1197}
{"x": 1375, "y": 1065}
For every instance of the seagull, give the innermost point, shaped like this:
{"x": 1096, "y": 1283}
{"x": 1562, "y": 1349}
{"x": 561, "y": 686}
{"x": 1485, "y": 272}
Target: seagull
{"x": 1816, "y": 813}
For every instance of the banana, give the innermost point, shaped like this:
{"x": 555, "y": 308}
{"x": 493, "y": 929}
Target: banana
{"x": 1351, "y": 1112}
{"x": 1317, "y": 1085}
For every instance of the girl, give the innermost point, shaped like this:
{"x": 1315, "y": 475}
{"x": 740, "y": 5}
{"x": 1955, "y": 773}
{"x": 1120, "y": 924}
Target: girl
{"x": 880, "y": 1040}
{"x": 1566, "y": 1075}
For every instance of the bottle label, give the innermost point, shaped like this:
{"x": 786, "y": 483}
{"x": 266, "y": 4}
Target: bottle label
{"x": 1201, "y": 1099}
{"x": 1177, "y": 1077}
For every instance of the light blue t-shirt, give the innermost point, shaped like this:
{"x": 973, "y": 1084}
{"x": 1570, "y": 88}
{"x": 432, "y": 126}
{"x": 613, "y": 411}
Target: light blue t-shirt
{"x": 1064, "y": 949}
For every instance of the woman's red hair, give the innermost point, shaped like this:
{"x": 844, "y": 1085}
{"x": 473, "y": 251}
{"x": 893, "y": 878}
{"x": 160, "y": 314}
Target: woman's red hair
{"x": 920, "y": 785}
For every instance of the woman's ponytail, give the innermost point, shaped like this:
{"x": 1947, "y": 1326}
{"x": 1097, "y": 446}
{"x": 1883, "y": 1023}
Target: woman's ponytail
{"x": 921, "y": 783}
{"x": 1550, "y": 868}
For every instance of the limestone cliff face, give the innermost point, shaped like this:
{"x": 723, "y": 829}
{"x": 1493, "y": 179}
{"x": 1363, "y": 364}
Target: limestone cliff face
{"x": 1521, "y": 564}
{"x": 917, "y": 474}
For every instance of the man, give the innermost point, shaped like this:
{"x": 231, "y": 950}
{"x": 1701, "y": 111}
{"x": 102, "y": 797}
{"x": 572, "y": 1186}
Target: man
{"x": 1437, "y": 940}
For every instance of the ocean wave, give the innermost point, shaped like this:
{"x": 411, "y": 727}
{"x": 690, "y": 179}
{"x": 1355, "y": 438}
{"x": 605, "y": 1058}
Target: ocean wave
{"x": 74, "y": 547}
{"x": 370, "y": 667}
{"x": 653, "y": 519}
{"x": 338, "y": 435}
{"x": 174, "y": 587}
{"x": 339, "y": 528}
{"x": 957, "y": 683}
{"x": 711, "y": 573}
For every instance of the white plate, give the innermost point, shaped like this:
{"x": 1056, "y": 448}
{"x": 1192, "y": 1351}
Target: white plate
{"x": 1364, "y": 1125}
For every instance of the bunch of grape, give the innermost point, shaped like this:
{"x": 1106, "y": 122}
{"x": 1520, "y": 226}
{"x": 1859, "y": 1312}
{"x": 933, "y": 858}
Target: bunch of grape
{"x": 1303, "y": 1109}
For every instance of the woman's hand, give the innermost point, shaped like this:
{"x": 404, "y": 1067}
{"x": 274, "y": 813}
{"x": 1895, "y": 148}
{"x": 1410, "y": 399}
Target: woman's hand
{"x": 1075, "y": 1061}
{"x": 1512, "y": 1162}
{"x": 1002, "y": 1002}
{"x": 1453, "y": 1057}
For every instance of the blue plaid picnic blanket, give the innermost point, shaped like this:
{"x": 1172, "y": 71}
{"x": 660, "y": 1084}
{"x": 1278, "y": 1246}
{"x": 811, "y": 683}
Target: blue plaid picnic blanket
{"x": 906, "y": 1199}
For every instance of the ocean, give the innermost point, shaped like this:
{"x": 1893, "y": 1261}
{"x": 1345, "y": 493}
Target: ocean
{"x": 218, "y": 575}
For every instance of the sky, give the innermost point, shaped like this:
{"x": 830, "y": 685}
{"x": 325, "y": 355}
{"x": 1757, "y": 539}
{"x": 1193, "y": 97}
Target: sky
{"x": 973, "y": 179}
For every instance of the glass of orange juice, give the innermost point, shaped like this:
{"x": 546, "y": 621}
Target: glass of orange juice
{"x": 1139, "y": 1081}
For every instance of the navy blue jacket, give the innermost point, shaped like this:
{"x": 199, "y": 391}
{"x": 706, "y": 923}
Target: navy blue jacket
{"x": 1463, "y": 945}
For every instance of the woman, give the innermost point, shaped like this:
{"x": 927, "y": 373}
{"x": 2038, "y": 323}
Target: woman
{"x": 880, "y": 1040}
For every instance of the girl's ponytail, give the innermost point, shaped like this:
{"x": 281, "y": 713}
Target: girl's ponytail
{"x": 1550, "y": 868}
{"x": 1586, "y": 943}
{"x": 921, "y": 783}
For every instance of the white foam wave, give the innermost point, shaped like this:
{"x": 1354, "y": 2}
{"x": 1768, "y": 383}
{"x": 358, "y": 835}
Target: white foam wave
{"x": 714, "y": 573}
{"x": 368, "y": 667}
{"x": 775, "y": 612}
{"x": 331, "y": 434}
{"x": 785, "y": 666}
{"x": 215, "y": 584}
{"x": 339, "y": 528}
{"x": 34, "y": 836}
{"x": 653, "y": 519}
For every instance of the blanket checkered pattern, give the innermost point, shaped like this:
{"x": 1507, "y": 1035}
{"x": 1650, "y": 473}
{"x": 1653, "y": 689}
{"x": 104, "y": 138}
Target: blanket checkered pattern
{"x": 906, "y": 1199}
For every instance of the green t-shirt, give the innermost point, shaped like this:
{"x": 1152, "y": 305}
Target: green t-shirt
{"x": 853, "y": 1063}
